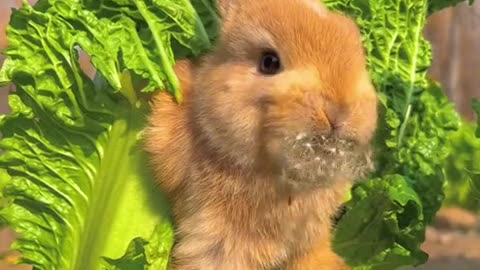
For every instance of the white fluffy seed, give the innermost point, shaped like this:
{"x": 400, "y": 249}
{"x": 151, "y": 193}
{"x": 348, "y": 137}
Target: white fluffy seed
{"x": 332, "y": 150}
{"x": 301, "y": 136}
{"x": 309, "y": 147}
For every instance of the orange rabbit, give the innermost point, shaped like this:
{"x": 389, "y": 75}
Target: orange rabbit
{"x": 276, "y": 122}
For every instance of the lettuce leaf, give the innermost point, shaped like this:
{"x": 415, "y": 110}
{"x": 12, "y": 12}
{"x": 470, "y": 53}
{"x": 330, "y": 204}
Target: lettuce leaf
{"x": 435, "y": 5}
{"x": 141, "y": 253}
{"x": 77, "y": 189}
{"x": 411, "y": 141}
{"x": 397, "y": 222}
{"x": 4, "y": 180}
{"x": 462, "y": 168}
{"x": 476, "y": 108}
{"x": 475, "y": 171}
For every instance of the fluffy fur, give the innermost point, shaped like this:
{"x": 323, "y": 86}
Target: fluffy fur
{"x": 234, "y": 158}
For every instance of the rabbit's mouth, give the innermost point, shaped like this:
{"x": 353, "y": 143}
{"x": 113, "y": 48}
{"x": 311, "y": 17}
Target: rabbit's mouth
{"x": 317, "y": 161}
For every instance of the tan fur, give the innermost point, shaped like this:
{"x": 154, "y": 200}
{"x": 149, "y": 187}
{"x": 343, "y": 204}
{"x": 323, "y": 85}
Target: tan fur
{"x": 218, "y": 155}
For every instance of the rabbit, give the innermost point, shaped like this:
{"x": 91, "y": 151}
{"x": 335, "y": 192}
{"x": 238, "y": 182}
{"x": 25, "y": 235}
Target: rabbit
{"x": 276, "y": 122}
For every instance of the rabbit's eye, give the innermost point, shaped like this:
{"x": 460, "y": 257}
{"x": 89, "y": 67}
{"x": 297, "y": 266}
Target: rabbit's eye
{"x": 269, "y": 63}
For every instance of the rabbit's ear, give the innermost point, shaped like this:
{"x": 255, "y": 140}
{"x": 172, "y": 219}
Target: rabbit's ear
{"x": 224, "y": 6}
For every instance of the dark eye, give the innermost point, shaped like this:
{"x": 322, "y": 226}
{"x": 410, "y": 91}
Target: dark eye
{"x": 269, "y": 63}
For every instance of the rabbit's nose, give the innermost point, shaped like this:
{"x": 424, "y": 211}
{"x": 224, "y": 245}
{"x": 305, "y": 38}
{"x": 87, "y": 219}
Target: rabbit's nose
{"x": 332, "y": 122}
{"x": 336, "y": 122}
{"x": 335, "y": 115}
{"x": 327, "y": 120}
{"x": 322, "y": 124}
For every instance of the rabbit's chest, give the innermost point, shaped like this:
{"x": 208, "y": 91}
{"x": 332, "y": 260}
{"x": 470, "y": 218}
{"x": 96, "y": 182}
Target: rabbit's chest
{"x": 250, "y": 228}
{"x": 274, "y": 237}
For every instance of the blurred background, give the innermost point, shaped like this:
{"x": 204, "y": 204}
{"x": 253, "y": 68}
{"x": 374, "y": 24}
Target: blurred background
{"x": 453, "y": 241}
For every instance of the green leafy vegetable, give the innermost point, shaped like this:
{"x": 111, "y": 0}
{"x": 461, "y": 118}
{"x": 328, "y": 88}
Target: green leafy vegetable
{"x": 435, "y": 5}
{"x": 462, "y": 168}
{"x": 475, "y": 173}
{"x": 476, "y": 108}
{"x": 141, "y": 253}
{"x": 4, "y": 180}
{"x": 389, "y": 217}
{"x": 77, "y": 188}
{"x": 411, "y": 143}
